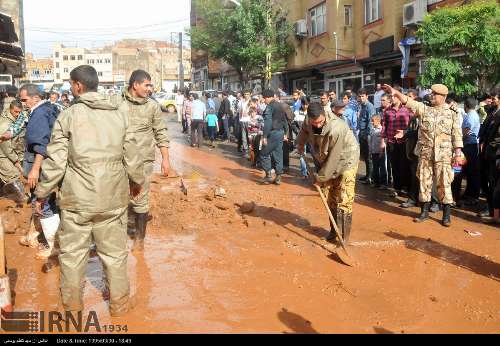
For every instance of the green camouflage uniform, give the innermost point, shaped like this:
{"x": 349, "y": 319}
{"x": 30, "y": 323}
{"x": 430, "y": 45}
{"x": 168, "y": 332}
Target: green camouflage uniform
{"x": 91, "y": 158}
{"x": 440, "y": 133}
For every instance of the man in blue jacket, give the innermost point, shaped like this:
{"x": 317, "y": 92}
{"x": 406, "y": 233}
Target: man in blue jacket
{"x": 38, "y": 131}
{"x": 366, "y": 113}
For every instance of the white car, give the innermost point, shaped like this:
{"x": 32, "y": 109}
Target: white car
{"x": 166, "y": 101}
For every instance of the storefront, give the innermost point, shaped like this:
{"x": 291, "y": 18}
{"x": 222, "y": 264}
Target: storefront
{"x": 348, "y": 76}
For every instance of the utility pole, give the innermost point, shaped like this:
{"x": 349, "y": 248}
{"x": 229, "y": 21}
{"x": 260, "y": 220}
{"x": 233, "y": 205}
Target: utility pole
{"x": 181, "y": 65}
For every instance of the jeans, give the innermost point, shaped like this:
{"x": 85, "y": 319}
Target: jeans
{"x": 212, "y": 131}
{"x": 274, "y": 149}
{"x": 365, "y": 154}
{"x": 303, "y": 166}
{"x": 379, "y": 170}
{"x": 396, "y": 153}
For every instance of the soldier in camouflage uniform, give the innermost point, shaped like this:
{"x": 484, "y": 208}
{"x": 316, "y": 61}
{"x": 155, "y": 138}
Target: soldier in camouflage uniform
{"x": 150, "y": 131}
{"x": 336, "y": 154}
{"x": 439, "y": 144}
{"x": 94, "y": 162}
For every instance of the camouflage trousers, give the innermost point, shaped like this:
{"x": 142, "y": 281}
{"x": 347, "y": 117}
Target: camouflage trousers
{"x": 141, "y": 204}
{"x": 108, "y": 230}
{"x": 441, "y": 172}
{"x": 340, "y": 192}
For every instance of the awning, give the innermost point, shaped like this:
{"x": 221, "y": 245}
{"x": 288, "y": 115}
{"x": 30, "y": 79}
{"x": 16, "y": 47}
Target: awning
{"x": 11, "y": 51}
{"x": 388, "y": 57}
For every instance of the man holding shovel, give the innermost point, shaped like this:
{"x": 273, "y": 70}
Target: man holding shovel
{"x": 336, "y": 155}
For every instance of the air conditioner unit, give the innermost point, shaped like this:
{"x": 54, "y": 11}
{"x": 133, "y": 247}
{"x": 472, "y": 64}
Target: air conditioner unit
{"x": 414, "y": 13}
{"x": 300, "y": 28}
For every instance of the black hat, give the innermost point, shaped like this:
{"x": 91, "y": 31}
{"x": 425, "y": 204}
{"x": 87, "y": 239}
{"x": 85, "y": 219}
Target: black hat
{"x": 314, "y": 110}
{"x": 338, "y": 105}
{"x": 268, "y": 93}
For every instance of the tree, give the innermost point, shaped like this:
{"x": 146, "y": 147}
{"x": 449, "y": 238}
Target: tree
{"x": 243, "y": 36}
{"x": 463, "y": 46}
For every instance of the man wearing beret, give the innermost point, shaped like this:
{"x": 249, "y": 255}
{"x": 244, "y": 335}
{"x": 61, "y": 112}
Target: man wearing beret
{"x": 336, "y": 155}
{"x": 439, "y": 143}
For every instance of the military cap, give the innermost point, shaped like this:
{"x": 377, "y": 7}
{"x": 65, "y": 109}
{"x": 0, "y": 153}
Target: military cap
{"x": 338, "y": 104}
{"x": 268, "y": 93}
{"x": 440, "y": 89}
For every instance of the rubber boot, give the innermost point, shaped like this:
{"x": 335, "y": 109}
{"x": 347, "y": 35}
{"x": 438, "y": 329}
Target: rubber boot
{"x": 332, "y": 236}
{"x": 141, "y": 221}
{"x": 277, "y": 181}
{"x": 268, "y": 179}
{"x": 446, "y": 215}
{"x": 346, "y": 227}
{"x": 50, "y": 226}
{"x": 424, "y": 214}
{"x": 31, "y": 238}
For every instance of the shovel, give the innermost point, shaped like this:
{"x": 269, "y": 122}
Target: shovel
{"x": 344, "y": 256}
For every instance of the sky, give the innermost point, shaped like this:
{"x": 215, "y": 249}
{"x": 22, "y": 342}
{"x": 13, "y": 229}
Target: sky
{"x": 95, "y": 23}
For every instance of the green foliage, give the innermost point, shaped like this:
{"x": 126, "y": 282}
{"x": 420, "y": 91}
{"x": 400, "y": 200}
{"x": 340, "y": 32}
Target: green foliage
{"x": 242, "y": 36}
{"x": 471, "y": 29}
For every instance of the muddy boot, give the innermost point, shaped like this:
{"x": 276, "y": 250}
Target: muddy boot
{"x": 31, "y": 238}
{"x": 120, "y": 310}
{"x": 446, "y": 215}
{"x": 268, "y": 179}
{"x": 141, "y": 222}
{"x": 277, "y": 181}
{"x": 332, "y": 237}
{"x": 424, "y": 214}
{"x": 50, "y": 226}
{"x": 346, "y": 227}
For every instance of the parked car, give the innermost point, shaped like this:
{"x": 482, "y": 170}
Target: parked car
{"x": 166, "y": 101}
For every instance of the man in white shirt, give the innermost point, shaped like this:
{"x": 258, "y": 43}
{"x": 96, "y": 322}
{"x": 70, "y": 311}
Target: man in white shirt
{"x": 377, "y": 98}
{"x": 179, "y": 102}
{"x": 198, "y": 114}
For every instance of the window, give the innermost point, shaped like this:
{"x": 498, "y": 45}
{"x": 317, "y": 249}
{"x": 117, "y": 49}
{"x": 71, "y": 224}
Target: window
{"x": 57, "y": 55}
{"x": 57, "y": 65}
{"x": 80, "y": 57}
{"x": 65, "y": 57}
{"x": 90, "y": 62}
{"x": 73, "y": 57}
{"x": 99, "y": 74}
{"x": 108, "y": 61}
{"x": 348, "y": 15}
{"x": 318, "y": 19}
{"x": 66, "y": 70}
{"x": 58, "y": 76}
{"x": 373, "y": 10}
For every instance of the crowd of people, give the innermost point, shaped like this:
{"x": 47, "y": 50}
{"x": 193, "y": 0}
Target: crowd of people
{"x": 387, "y": 131}
{"x": 87, "y": 158}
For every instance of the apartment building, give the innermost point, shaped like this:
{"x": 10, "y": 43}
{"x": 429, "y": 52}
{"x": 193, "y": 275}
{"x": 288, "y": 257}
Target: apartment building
{"x": 66, "y": 59}
{"x": 39, "y": 71}
{"x": 11, "y": 39}
{"x": 342, "y": 44}
{"x": 102, "y": 61}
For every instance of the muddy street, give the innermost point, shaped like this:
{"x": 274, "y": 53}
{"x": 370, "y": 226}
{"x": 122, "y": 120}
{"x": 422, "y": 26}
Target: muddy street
{"x": 234, "y": 256}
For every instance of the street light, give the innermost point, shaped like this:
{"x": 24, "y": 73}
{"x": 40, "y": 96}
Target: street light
{"x": 336, "y": 46}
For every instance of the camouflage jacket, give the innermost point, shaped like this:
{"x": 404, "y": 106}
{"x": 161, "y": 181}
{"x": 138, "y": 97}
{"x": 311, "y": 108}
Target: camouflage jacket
{"x": 336, "y": 149}
{"x": 146, "y": 123}
{"x": 91, "y": 157}
{"x": 440, "y": 131}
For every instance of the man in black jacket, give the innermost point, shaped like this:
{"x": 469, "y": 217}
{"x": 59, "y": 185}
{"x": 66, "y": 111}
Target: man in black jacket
{"x": 275, "y": 130}
{"x": 224, "y": 114}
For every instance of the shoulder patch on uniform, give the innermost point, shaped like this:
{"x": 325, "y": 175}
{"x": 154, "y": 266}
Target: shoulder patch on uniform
{"x": 453, "y": 108}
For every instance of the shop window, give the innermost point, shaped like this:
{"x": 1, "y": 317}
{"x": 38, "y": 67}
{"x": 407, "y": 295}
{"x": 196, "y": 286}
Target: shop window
{"x": 318, "y": 20}
{"x": 373, "y": 10}
{"x": 348, "y": 15}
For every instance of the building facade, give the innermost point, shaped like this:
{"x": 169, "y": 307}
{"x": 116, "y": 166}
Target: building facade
{"x": 12, "y": 39}
{"x": 66, "y": 59}
{"x": 39, "y": 71}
